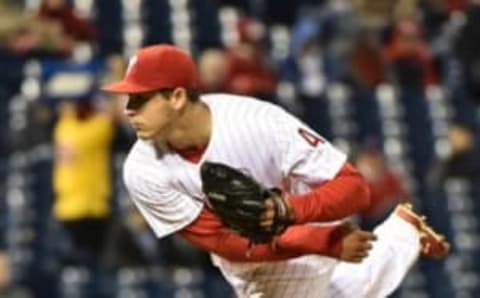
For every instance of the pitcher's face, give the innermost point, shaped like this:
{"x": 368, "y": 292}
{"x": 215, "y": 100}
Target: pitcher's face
{"x": 151, "y": 114}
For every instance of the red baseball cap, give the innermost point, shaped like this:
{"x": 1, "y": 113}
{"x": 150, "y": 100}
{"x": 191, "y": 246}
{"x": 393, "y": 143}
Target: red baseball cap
{"x": 157, "y": 67}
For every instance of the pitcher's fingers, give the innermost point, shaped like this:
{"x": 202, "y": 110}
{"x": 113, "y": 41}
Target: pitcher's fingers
{"x": 365, "y": 246}
{"x": 365, "y": 235}
{"x": 356, "y": 260}
{"x": 362, "y": 255}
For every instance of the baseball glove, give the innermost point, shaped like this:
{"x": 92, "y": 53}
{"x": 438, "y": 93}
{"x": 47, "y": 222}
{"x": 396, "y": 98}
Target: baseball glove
{"x": 239, "y": 201}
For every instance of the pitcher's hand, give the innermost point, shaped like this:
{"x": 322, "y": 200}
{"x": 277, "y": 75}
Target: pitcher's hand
{"x": 356, "y": 243}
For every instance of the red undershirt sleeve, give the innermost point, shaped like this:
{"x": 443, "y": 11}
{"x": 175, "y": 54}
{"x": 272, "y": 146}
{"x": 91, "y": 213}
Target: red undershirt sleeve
{"x": 343, "y": 196}
{"x": 208, "y": 233}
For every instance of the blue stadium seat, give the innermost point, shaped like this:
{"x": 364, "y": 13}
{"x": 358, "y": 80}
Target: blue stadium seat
{"x": 205, "y": 25}
{"x": 69, "y": 80}
{"x": 157, "y": 22}
{"x": 108, "y": 20}
{"x": 316, "y": 115}
{"x": 12, "y": 71}
{"x": 366, "y": 114}
{"x": 418, "y": 122}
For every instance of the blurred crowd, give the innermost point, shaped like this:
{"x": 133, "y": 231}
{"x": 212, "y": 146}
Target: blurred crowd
{"x": 304, "y": 55}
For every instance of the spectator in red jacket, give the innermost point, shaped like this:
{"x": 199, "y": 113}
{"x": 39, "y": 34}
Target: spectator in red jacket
{"x": 409, "y": 58}
{"x": 77, "y": 28}
{"x": 386, "y": 189}
{"x": 247, "y": 70}
{"x": 366, "y": 59}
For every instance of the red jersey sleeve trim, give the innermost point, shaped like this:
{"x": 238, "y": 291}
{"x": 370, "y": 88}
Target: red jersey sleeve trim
{"x": 348, "y": 193}
{"x": 208, "y": 233}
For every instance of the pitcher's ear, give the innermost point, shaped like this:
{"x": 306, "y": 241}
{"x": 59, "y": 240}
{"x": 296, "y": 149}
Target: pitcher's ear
{"x": 179, "y": 98}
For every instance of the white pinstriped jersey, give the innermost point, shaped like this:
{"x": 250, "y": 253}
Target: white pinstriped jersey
{"x": 258, "y": 137}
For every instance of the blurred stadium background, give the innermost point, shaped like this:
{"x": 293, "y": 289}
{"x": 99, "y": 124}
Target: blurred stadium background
{"x": 394, "y": 83}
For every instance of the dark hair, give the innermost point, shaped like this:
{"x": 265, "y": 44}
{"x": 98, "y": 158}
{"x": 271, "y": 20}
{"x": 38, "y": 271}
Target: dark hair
{"x": 192, "y": 95}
